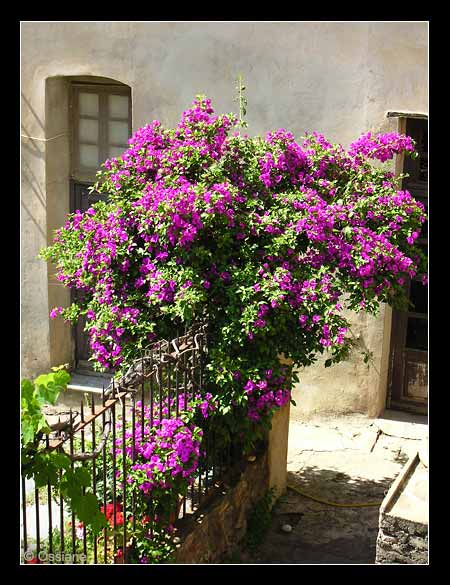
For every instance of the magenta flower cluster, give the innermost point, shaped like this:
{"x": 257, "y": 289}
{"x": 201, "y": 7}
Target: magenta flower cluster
{"x": 268, "y": 239}
{"x": 382, "y": 147}
{"x": 266, "y": 394}
{"x": 162, "y": 449}
{"x": 162, "y": 455}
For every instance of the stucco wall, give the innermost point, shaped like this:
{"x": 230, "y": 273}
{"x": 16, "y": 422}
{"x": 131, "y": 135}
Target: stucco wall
{"x": 335, "y": 78}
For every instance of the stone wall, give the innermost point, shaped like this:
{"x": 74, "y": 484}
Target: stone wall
{"x": 207, "y": 536}
{"x": 403, "y": 524}
{"x": 402, "y": 541}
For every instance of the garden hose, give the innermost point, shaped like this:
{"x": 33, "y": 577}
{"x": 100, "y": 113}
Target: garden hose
{"x": 360, "y": 505}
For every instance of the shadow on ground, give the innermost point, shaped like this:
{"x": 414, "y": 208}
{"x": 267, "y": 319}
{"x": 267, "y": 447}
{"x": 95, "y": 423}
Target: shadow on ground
{"x": 321, "y": 533}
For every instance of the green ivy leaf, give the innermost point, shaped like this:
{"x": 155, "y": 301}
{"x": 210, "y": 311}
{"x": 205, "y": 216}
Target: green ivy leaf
{"x": 27, "y": 388}
{"x": 28, "y": 431}
{"x": 82, "y": 476}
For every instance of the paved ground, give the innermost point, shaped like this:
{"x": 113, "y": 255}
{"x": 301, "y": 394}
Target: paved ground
{"x": 350, "y": 459}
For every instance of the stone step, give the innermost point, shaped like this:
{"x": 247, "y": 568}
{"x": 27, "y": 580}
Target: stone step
{"x": 85, "y": 367}
{"x": 403, "y": 425}
{"x": 88, "y": 383}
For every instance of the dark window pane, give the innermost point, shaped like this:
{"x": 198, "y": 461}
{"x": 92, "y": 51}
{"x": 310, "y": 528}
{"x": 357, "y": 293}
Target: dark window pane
{"x": 424, "y": 231}
{"x": 423, "y": 158}
{"x": 417, "y": 334}
{"x": 424, "y": 248}
{"x": 423, "y": 169}
{"x": 424, "y": 226}
{"x": 419, "y": 297}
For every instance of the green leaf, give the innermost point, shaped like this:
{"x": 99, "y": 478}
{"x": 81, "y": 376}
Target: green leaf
{"x": 62, "y": 378}
{"x": 83, "y": 476}
{"x": 61, "y": 460}
{"x": 347, "y": 231}
{"x": 61, "y": 367}
{"x": 52, "y": 393}
{"x": 27, "y": 388}
{"x": 27, "y": 432}
{"x": 86, "y": 507}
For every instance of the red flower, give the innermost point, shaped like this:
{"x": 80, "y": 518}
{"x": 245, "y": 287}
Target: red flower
{"x": 109, "y": 511}
{"x": 119, "y": 519}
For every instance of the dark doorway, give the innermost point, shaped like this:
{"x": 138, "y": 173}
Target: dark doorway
{"x": 82, "y": 199}
{"x": 409, "y": 341}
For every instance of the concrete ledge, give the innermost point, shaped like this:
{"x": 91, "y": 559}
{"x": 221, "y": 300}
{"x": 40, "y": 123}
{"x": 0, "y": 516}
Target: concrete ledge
{"x": 80, "y": 388}
{"x": 397, "y": 486}
{"x": 403, "y": 521}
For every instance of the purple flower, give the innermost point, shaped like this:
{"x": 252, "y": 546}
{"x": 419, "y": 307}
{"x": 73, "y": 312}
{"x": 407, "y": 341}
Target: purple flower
{"x": 55, "y": 312}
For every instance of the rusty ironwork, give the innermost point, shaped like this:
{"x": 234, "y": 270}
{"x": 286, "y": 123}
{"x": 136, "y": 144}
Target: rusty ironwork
{"x": 164, "y": 372}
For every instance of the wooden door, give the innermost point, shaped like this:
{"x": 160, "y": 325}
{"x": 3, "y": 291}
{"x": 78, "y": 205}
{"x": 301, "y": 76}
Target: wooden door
{"x": 81, "y": 199}
{"x": 409, "y": 342}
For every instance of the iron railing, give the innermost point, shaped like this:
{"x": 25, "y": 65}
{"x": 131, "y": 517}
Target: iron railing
{"x": 165, "y": 377}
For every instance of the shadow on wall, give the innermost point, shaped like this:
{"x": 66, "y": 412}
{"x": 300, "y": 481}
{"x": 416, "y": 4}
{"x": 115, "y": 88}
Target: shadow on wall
{"x": 36, "y": 117}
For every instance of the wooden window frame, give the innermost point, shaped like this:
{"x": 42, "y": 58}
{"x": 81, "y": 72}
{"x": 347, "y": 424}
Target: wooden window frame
{"x": 78, "y": 172}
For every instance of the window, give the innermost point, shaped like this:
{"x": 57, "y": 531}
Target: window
{"x": 101, "y": 123}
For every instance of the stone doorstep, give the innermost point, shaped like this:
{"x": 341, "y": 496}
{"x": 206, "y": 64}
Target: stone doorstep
{"x": 81, "y": 387}
{"x": 403, "y": 425}
{"x": 88, "y": 383}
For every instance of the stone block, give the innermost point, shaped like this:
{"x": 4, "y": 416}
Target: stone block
{"x": 403, "y": 522}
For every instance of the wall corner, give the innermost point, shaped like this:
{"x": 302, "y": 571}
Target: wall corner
{"x": 278, "y": 449}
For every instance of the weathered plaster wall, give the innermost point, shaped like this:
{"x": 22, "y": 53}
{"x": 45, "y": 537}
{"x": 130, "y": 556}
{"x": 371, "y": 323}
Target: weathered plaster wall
{"x": 57, "y": 189}
{"x": 277, "y": 450}
{"x": 351, "y": 386}
{"x": 335, "y": 78}
{"x": 35, "y": 341}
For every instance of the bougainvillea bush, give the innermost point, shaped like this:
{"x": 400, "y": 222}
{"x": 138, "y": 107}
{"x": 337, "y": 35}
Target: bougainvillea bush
{"x": 267, "y": 239}
{"x": 162, "y": 456}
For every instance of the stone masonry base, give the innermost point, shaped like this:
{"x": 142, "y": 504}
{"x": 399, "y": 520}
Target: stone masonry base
{"x": 403, "y": 520}
{"x": 402, "y": 542}
{"x": 208, "y": 536}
